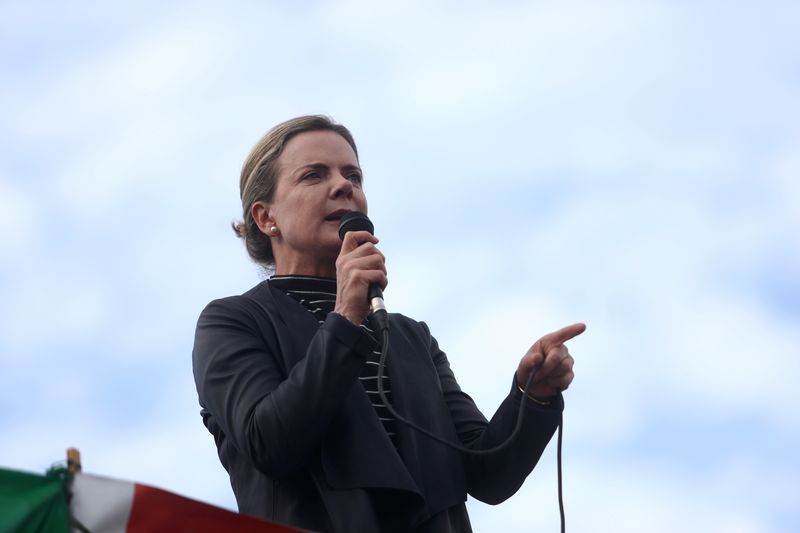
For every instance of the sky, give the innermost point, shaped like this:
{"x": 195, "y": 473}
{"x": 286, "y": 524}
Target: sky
{"x": 634, "y": 165}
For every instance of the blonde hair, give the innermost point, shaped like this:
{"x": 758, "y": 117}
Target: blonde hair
{"x": 260, "y": 176}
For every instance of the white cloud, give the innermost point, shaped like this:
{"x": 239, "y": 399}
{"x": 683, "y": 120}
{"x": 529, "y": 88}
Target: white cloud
{"x": 633, "y": 167}
{"x": 19, "y": 220}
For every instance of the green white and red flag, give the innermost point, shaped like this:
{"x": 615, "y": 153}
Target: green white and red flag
{"x": 60, "y": 502}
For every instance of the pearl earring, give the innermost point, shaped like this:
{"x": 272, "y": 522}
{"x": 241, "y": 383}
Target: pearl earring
{"x": 273, "y": 230}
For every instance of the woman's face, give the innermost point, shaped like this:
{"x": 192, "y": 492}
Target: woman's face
{"x": 319, "y": 180}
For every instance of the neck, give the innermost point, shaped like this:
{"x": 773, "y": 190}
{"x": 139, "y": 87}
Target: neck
{"x": 322, "y": 269}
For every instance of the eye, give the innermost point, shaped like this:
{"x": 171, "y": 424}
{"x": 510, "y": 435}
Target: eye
{"x": 314, "y": 175}
{"x": 355, "y": 177}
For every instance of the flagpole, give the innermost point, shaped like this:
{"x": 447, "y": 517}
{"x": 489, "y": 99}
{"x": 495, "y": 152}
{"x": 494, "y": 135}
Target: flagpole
{"x": 73, "y": 460}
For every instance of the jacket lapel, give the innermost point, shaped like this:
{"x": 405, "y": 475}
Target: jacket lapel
{"x": 418, "y": 396}
{"x": 355, "y": 452}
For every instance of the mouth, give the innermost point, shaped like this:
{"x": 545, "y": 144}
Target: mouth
{"x": 337, "y": 215}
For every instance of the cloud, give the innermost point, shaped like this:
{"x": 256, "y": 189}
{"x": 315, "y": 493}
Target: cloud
{"x": 18, "y": 218}
{"x": 633, "y": 167}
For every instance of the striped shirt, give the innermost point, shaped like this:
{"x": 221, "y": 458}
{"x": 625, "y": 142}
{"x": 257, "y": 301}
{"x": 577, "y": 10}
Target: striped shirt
{"x": 318, "y": 296}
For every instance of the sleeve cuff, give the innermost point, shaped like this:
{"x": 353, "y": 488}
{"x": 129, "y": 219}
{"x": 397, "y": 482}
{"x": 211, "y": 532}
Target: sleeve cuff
{"x": 555, "y": 403}
{"x": 349, "y": 334}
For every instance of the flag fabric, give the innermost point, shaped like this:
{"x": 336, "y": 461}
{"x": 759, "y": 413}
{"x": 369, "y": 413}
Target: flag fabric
{"x": 109, "y": 505}
{"x": 31, "y": 502}
{"x": 34, "y": 503}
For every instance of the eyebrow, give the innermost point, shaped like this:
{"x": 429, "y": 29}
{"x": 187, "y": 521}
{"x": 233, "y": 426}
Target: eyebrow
{"x": 352, "y": 167}
{"x": 317, "y": 166}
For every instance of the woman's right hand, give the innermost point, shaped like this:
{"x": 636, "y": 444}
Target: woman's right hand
{"x": 359, "y": 264}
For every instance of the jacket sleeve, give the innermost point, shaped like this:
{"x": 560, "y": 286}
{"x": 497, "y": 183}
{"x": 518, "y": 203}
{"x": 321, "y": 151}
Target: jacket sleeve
{"x": 275, "y": 420}
{"x": 496, "y": 477}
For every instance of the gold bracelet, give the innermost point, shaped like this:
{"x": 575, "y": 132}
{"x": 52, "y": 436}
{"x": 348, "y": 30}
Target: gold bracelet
{"x": 534, "y": 400}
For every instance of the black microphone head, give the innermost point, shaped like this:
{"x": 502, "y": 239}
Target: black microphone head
{"x": 355, "y": 221}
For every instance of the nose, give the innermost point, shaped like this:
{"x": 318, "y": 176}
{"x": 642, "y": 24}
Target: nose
{"x": 342, "y": 188}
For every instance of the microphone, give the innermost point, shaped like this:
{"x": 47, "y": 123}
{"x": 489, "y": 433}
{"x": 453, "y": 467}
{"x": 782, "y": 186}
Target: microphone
{"x": 357, "y": 221}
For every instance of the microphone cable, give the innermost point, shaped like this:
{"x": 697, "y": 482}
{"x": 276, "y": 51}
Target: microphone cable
{"x": 464, "y": 449}
{"x": 357, "y": 221}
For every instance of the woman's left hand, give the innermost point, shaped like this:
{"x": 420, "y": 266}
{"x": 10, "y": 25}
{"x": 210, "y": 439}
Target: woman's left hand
{"x": 555, "y": 373}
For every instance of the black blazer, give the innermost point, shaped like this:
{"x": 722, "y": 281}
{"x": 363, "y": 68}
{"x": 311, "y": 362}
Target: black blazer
{"x": 302, "y": 444}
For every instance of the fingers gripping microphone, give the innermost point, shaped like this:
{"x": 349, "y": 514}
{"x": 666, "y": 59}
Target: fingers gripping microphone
{"x": 357, "y": 221}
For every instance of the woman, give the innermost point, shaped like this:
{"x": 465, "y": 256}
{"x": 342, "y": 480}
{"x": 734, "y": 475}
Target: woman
{"x": 286, "y": 372}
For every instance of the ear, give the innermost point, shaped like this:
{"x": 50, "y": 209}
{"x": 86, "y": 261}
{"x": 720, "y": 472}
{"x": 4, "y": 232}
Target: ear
{"x": 262, "y": 216}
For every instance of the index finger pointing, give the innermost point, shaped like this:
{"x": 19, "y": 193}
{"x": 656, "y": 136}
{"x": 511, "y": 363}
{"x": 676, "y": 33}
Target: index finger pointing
{"x": 564, "y": 334}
